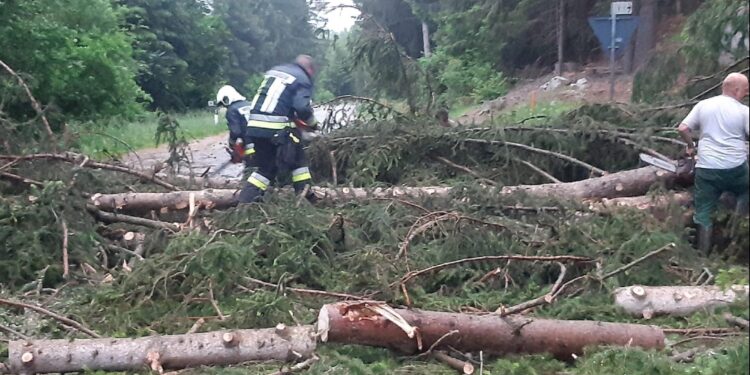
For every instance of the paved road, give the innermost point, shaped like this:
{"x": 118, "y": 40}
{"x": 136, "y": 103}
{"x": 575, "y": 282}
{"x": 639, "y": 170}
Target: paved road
{"x": 204, "y": 153}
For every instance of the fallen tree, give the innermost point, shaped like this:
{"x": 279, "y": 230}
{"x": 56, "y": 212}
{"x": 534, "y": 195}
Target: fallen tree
{"x": 413, "y": 331}
{"x": 84, "y": 161}
{"x": 622, "y": 184}
{"x": 650, "y": 301}
{"x": 161, "y": 352}
{"x": 629, "y": 183}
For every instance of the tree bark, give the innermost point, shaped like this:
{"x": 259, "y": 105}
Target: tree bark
{"x": 645, "y": 35}
{"x": 560, "y": 36}
{"x": 426, "y": 39}
{"x": 629, "y": 183}
{"x": 622, "y": 184}
{"x": 162, "y": 352}
{"x": 652, "y": 301}
{"x": 363, "y": 324}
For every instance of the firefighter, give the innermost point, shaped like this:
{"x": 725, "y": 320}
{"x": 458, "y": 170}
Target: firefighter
{"x": 281, "y": 107}
{"x": 238, "y": 113}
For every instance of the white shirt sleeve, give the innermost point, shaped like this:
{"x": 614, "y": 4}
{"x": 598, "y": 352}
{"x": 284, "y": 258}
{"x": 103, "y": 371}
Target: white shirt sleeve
{"x": 692, "y": 120}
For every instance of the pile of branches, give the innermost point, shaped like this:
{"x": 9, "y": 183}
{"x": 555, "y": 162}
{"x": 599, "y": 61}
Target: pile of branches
{"x": 192, "y": 268}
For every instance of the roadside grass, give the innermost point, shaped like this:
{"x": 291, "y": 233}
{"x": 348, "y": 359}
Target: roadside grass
{"x": 118, "y": 138}
{"x": 541, "y": 114}
{"x": 524, "y": 114}
{"x": 461, "y": 109}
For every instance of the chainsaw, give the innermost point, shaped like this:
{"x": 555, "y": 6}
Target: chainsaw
{"x": 236, "y": 152}
{"x": 684, "y": 167}
{"x": 235, "y": 157}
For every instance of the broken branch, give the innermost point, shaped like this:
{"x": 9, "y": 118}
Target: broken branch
{"x": 541, "y": 171}
{"x": 58, "y": 317}
{"x": 77, "y": 159}
{"x": 527, "y": 258}
{"x": 540, "y": 151}
{"x": 66, "y": 267}
{"x": 14, "y": 177}
{"x": 542, "y": 300}
{"x": 34, "y": 103}
{"x": 298, "y": 367}
{"x": 465, "y": 170}
{"x": 305, "y": 291}
{"x": 455, "y": 363}
{"x": 737, "y": 321}
{"x": 626, "y": 267}
{"x": 109, "y": 218}
{"x": 11, "y": 331}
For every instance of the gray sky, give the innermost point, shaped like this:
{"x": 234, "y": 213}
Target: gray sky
{"x": 341, "y": 19}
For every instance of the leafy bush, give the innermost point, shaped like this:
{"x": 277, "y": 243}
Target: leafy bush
{"x": 719, "y": 27}
{"x": 464, "y": 77}
{"x": 716, "y": 34}
{"x": 73, "y": 55}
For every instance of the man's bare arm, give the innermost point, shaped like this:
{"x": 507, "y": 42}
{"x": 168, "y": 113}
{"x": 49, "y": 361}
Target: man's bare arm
{"x": 687, "y": 136}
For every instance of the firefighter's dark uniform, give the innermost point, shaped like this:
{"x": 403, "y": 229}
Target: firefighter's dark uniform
{"x": 283, "y": 96}
{"x": 237, "y": 116}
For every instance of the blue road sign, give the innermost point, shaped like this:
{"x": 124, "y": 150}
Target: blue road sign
{"x": 602, "y": 27}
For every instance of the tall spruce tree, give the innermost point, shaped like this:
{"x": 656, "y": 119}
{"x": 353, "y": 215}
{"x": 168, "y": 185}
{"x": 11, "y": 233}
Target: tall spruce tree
{"x": 180, "y": 49}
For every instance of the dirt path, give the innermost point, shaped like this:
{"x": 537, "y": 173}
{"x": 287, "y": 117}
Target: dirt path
{"x": 204, "y": 153}
{"x": 595, "y": 90}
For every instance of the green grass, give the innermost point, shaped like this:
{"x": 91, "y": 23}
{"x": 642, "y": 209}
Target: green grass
{"x": 537, "y": 116}
{"x": 119, "y": 138}
{"x": 461, "y": 109}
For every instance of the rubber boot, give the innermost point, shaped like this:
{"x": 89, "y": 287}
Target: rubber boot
{"x": 704, "y": 239}
{"x": 299, "y": 188}
{"x": 250, "y": 194}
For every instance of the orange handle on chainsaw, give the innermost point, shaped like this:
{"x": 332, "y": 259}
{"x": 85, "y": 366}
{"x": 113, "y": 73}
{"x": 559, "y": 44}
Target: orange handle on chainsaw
{"x": 301, "y": 125}
{"x": 238, "y": 150}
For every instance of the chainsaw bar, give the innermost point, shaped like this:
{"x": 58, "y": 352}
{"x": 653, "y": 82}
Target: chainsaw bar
{"x": 669, "y": 166}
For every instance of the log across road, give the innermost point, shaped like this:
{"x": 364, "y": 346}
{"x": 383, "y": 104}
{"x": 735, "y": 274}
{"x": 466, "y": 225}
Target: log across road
{"x": 370, "y": 323}
{"x": 622, "y": 184}
{"x": 161, "y": 352}
{"x": 366, "y": 324}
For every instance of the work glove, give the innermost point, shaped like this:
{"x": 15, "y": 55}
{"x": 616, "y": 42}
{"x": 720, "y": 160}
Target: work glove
{"x": 312, "y": 123}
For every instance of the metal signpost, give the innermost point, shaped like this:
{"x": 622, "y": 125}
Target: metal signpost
{"x": 618, "y": 8}
{"x": 614, "y": 33}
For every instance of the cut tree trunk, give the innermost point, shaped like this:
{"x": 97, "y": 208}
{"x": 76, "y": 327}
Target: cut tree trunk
{"x": 368, "y": 324}
{"x": 622, "y": 184}
{"x": 650, "y": 301}
{"x": 224, "y": 198}
{"x": 161, "y": 352}
{"x": 629, "y": 183}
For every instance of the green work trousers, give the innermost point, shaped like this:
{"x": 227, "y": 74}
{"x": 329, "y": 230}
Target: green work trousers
{"x": 711, "y": 183}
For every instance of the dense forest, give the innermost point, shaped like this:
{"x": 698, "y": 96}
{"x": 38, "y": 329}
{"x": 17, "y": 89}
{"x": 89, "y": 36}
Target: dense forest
{"x": 471, "y": 218}
{"x": 108, "y": 58}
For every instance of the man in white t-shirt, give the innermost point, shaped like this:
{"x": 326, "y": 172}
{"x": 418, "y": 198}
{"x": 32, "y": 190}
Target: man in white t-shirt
{"x": 722, "y": 122}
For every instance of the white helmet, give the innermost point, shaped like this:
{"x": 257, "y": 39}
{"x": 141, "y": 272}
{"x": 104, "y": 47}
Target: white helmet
{"x": 228, "y": 95}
